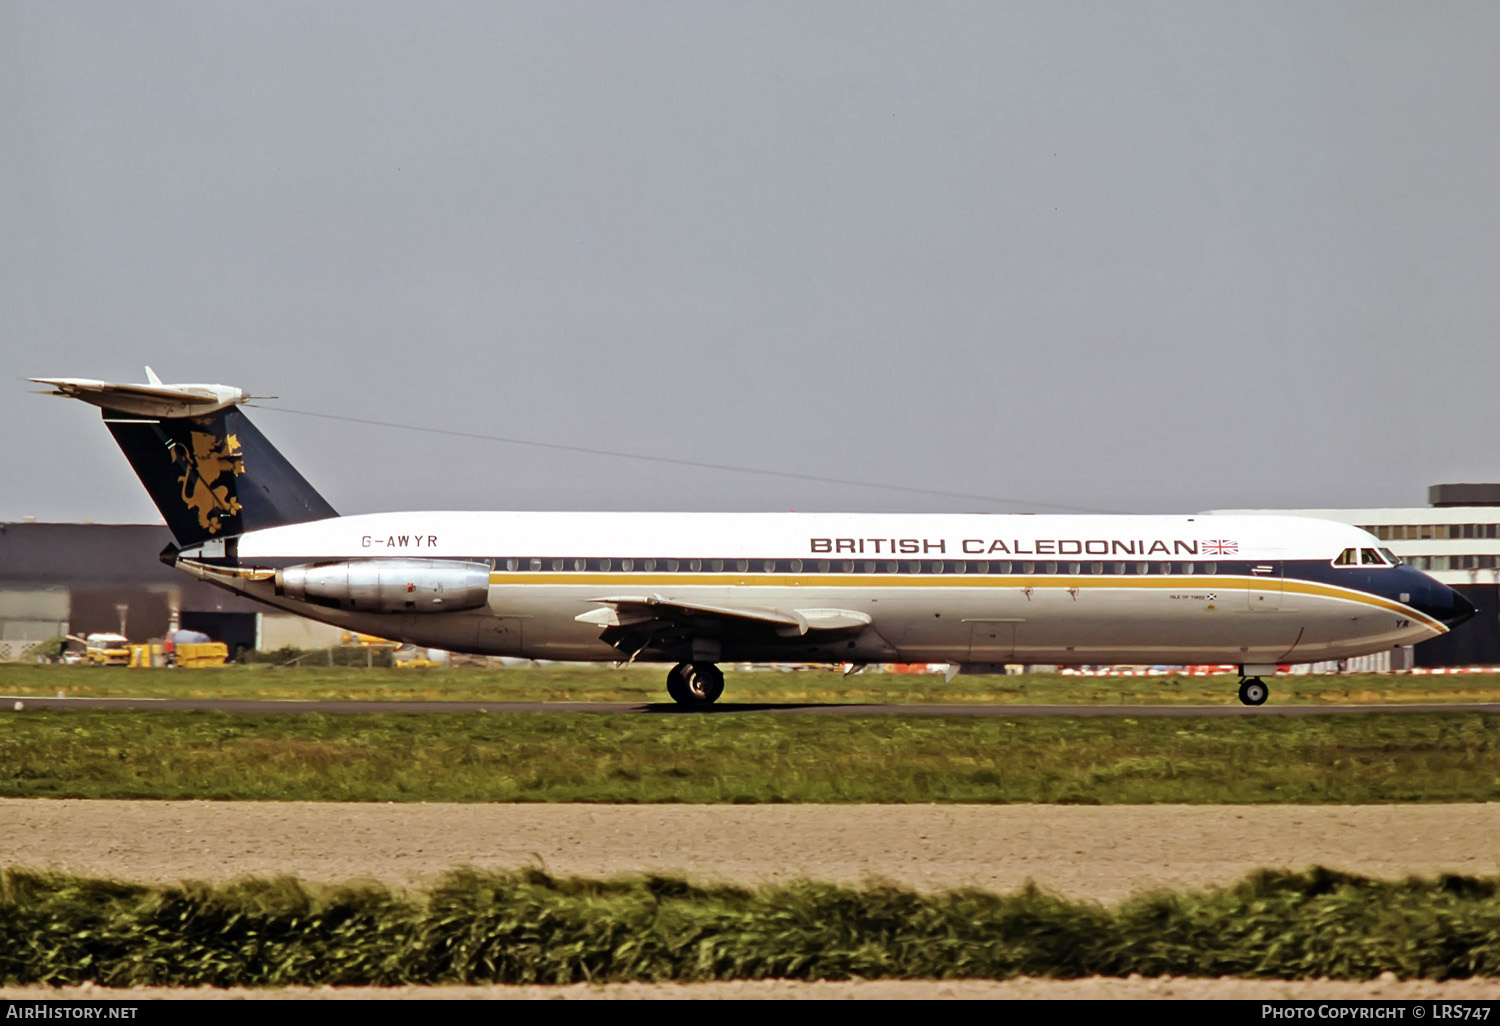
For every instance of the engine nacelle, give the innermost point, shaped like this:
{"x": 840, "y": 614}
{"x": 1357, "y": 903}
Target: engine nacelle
{"x": 389, "y": 585}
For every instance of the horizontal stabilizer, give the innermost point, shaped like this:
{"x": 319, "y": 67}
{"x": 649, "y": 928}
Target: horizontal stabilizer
{"x": 154, "y": 399}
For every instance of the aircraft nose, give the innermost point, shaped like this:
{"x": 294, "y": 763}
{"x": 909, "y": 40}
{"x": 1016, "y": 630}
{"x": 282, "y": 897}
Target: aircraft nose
{"x": 1461, "y": 611}
{"x": 1443, "y": 603}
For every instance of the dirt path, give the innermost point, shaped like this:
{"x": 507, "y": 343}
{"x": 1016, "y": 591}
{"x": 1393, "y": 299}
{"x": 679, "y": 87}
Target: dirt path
{"x": 1099, "y": 852}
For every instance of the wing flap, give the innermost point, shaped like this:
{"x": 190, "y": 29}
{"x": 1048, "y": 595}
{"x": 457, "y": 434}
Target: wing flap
{"x": 628, "y": 610}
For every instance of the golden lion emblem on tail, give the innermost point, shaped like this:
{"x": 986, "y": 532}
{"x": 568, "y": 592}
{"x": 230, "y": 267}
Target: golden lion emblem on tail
{"x": 209, "y": 467}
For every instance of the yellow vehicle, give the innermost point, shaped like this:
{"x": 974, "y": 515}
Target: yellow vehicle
{"x": 106, "y": 650}
{"x": 413, "y": 659}
{"x": 352, "y": 638}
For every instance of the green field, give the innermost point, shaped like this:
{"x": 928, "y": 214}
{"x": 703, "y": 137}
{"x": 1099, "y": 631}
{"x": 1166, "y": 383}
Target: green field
{"x": 531, "y": 928}
{"x": 604, "y": 683}
{"x": 752, "y": 757}
{"x": 527, "y": 927}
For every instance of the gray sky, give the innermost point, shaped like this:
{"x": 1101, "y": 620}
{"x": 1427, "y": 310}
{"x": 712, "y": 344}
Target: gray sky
{"x": 1121, "y": 256}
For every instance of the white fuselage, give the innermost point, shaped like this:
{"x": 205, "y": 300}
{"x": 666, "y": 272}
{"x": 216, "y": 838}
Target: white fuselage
{"x": 956, "y": 588}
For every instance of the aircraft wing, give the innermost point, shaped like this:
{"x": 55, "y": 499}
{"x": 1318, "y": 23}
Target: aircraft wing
{"x": 631, "y": 622}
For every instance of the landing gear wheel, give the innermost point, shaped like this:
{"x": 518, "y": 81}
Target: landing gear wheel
{"x": 695, "y": 684}
{"x": 1254, "y": 691}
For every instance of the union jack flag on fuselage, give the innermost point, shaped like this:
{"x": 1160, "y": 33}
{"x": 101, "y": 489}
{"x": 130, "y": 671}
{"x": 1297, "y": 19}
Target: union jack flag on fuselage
{"x": 1221, "y": 547}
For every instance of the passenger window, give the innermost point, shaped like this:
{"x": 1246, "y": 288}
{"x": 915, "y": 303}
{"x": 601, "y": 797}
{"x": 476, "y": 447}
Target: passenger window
{"x": 580, "y": 564}
{"x": 512, "y": 564}
{"x": 648, "y": 565}
{"x": 914, "y": 567}
{"x": 982, "y": 567}
{"x": 869, "y": 566}
{"x": 604, "y": 564}
{"x": 1165, "y": 568}
{"x": 892, "y": 567}
{"x": 1143, "y": 568}
{"x": 1002, "y": 567}
{"x": 1096, "y": 568}
{"x": 822, "y": 566}
{"x": 1050, "y": 568}
{"x": 1184, "y": 568}
{"x": 1119, "y": 568}
{"x": 742, "y": 565}
{"x": 627, "y": 565}
{"x": 795, "y": 566}
{"x": 1075, "y": 568}
{"x": 1210, "y": 568}
{"x": 536, "y": 564}
{"x": 937, "y": 566}
{"x": 958, "y": 566}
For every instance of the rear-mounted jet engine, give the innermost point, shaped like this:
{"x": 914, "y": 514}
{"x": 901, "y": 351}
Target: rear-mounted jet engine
{"x": 389, "y": 585}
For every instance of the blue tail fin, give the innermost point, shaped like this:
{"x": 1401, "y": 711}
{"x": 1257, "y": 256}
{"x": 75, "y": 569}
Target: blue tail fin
{"x": 214, "y": 476}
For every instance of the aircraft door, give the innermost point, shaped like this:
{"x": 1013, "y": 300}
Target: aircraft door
{"x": 1264, "y": 593}
{"x": 992, "y": 641}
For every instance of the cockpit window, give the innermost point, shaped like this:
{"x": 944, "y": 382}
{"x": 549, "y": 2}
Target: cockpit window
{"x": 1369, "y": 557}
{"x": 1394, "y": 559}
{"x": 1349, "y": 557}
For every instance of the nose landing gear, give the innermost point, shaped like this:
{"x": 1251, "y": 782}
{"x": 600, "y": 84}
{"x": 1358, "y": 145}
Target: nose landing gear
{"x": 695, "y": 684}
{"x": 1253, "y": 691}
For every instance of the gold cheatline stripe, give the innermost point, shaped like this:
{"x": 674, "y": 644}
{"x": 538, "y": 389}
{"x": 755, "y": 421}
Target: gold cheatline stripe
{"x": 1229, "y": 582}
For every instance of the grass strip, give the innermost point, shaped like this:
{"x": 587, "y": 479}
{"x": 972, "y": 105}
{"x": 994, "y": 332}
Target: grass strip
{"x": 533, "y": 928}
{"x": 644, "y": 683}
{"x": 752, "y": 758}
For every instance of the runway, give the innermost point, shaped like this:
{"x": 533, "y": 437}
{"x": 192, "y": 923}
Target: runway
{"x": 22, "y": 703}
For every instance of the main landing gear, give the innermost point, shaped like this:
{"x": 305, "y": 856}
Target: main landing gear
{"x": 1253, "y": 691}
{"x": 695, "y": 684}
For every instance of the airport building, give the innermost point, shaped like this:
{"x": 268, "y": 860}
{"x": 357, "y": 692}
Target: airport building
{"x": 1455, "y": 538}
{"x": 58, "y": 579}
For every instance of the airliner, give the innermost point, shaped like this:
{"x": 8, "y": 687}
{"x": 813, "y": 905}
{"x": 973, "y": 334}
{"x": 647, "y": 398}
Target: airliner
{"x": 975, "y": 591}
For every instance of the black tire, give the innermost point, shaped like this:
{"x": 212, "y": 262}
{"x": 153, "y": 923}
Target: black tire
{"x": 677, "y": 684}
{"x": 695, "y": 684}
{"x": 1254, "y": 691}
